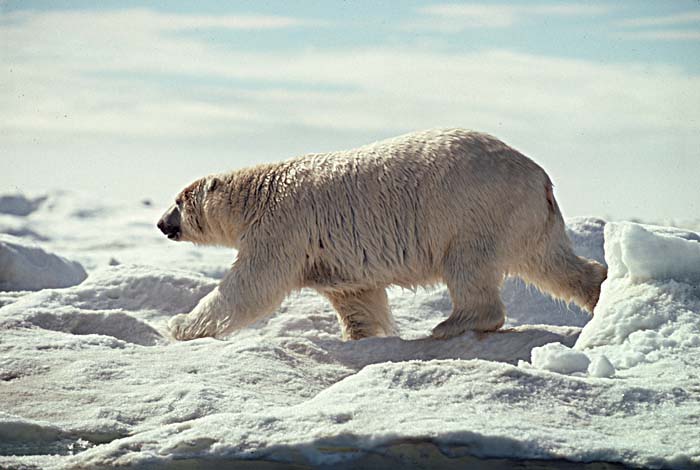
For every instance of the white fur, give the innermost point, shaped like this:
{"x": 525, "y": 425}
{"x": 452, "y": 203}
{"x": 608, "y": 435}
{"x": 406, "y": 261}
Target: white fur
{"x": 447, "y": 206}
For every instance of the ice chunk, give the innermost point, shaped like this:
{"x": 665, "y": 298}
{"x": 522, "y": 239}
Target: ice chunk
{"x": 123, "y": 301}
{"x": 26, "y": 266}
{"x": 645, "y": 252}
{"x": 13, "y": 428}
{"x": 556, "y": 357}
{"x": 648, "y": 308}
{"x": 20, "y": 436}
{"x": 17, "y": 204}
{"x": 601, "y": 366}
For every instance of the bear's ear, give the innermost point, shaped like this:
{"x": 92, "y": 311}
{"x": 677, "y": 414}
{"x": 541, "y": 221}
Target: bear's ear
{"x": 213, "y": 183}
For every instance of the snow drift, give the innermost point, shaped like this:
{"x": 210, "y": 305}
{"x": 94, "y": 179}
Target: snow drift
{"x": 90, "y": 379}
{"x": 26, "y": 266}
{"x": 649, "y": 311}
{"x": 18, "y": 204}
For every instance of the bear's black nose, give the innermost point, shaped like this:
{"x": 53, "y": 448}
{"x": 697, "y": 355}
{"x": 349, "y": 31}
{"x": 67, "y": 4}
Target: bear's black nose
{"x": 169, "y": 224}
{"x": 165, "y": 228}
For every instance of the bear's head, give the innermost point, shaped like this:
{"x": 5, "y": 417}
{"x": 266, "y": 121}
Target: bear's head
{"x": 195, "y": 216}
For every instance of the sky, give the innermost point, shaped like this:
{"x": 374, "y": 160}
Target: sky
{"x": 136, "y": 99}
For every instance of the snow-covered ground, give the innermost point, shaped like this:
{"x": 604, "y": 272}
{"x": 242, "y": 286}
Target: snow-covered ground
{"x": 89, "y": 378}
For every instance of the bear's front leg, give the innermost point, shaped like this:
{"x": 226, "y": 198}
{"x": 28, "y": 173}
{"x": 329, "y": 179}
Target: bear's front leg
{"x": 253, "y": 288}
{"x": 204, "y": 320}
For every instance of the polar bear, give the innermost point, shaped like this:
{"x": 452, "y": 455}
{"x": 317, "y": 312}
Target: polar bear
{"x": 449, "y": 205}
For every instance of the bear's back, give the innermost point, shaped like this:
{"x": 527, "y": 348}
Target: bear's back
{"x": 399, "y": 202}
{"x": 434, "y": 166}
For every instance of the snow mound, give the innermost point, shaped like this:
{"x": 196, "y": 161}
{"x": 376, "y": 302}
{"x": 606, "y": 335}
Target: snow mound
{"x": 126, "y": 302}
{"x": 28, "y": 437}
{"x": 25, "y": 266}
{"x": 586, "y": 235}
{"x": 95, "y": 232}
{"x": 17, "y": 204}
{"x": 118, "y": 325}
{"x": 556, "y": 357}
{"x": 561, "y": 359}
{"x": 19, "y": 227}
{"x": 16, "y": 429}
{"x": 645, "y": 253}
{"x": 479, "y": 408}
{"x": 138, "y": 288}
{"x": 649, "y": 307}
{"x": 87, "y": 372}
{"x": 601, "y": 366}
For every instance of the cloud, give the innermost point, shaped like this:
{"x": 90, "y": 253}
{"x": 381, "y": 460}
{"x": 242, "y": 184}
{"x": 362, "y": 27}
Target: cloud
{"x": 661, "y": 35}
{"x": 679, "y": 19}
{"x": 91, "y": 82}
{"x": 456, "y": 17}
{"x": 663, "y": 20}
{"x": 123, "y": 73}
{"x": 161, "y": 20}
{"x": 237, "y": 22}
{"x": 473, "y": 15}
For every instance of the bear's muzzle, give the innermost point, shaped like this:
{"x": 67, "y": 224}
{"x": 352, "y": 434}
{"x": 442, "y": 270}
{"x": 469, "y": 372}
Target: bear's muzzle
{"x": 169, "y": 223}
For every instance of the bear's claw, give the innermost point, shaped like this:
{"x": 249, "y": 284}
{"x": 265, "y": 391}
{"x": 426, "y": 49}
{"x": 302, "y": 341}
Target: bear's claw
{"x": 446, "y": 330}
{"x": 177, "y": 327}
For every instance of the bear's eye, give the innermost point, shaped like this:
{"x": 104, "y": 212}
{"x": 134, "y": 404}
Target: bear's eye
{"x": 178, "y": 202}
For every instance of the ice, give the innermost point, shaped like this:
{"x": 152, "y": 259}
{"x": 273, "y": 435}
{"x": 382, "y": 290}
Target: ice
{"x": 649, "y": 308}
{"x": 556, "y": 357}
{"x": 645, "y": 253}
{"x": 601, "y": 366}
{"x": 98, "y": 232}
{"x": 90, "y": 379}
{"x": 113, "y": 302}
{"x": 12, "y": 429}
{"x": 18, "y": 204}
{"x": 26, "y": 266}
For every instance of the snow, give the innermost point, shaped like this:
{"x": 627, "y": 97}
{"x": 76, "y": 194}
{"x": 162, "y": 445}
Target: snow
{"x": 90, "y": 378}
{"x": 18, "y": 204}
{"x": 26, "y": 266}
{"x": 600, "y": 366}
{"x": 649, "y": 309}
{"x": 556, "y": 357}
{"x": 653, "y": 253}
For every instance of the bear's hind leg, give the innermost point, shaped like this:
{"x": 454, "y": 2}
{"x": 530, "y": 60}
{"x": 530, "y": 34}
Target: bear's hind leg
{"x": 363, "y": 313}
{"x": 474, "y": 284}
{"x": 567, "y": 276}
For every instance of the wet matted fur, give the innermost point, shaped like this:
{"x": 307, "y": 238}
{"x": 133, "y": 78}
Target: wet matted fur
{"x": 450, "y": 206}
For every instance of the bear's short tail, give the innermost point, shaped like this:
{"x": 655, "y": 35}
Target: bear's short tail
{"x": 555, "y": 268}
{"x": 549, "y": 193}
